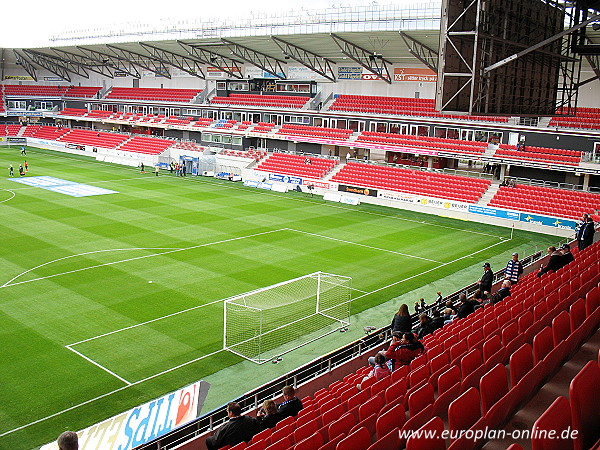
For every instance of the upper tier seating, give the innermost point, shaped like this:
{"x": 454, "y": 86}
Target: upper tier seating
{"x": 49, "y": 133}
{"x": 73, "y": 112}
{"x": 276, "y": 101}
{"x": 588, "y": 118}
{"x": 94, "y": 138}
{"x": 82, "y": 91}
{"x": 417, "y": 182}
{"x": 175, "y": 120}
{"x": 287, "y": 164}
{"x": 263, "y": 127}
{"x": 305, "y": 130}
{"x": 547, "y": 155}
{"x": 169, "y": 95}
{"x": 34, "y": 91}
{"x": 543, "y": 200}
{"x": 402, "y": 106}
{"x": 187, "y": 145}
{"x": 257, "y": 155}
{"x": 433, "y": 143}
{"x": 98, "y": 114}
{"x": 148, "y": 145}
{"x": 9, "y": 130}
{"x": 203, "y": 122}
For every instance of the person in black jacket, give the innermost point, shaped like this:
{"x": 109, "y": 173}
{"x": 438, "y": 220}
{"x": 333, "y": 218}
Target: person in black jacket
{"x": 291, "y": 404}
{"x": 555, "y": 262}
{"x": 268, "y": 416}
{"x": 567, "y": 256}
{"x": 239, "y": 428}
{"x": 485, "y": 284}
{"x": 585, "y": 232}
{"x": 402, "y": 321}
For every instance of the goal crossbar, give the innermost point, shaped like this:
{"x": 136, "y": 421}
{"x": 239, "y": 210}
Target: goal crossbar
{"x": 265, "y": 323}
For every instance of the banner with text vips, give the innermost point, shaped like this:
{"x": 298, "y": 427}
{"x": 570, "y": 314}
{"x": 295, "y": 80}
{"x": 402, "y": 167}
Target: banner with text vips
{"x": 144, "y": 423}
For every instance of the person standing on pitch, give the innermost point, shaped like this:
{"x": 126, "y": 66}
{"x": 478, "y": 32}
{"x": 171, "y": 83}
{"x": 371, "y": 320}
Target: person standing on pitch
{"x": 156, "y": 170}
{"x": 11, "y": 171}
{"x": 21, "y": 171}
{"x": 142, "y": 168}
{"x": 23, "y": 152}
{"x": 26, "y": 166}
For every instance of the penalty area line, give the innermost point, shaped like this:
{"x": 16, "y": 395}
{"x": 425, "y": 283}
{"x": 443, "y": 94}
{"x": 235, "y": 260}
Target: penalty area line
{"x": 99, "y": 365}
{"x": 108, "y": 394}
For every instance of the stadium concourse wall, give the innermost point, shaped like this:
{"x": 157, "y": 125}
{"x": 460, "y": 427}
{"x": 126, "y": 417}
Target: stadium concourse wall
{"x": 350, "y": 195}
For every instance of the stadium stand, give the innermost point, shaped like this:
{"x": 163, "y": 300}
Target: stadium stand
{"x": 49, "y": 133}
{"x": 147, "y": 145}
{"x": 34, "y": 90}
{"x": 187, "y": 145}
{"x": 263, "y": 127}
{"x": 430, "y": 143}
{"x": 587, "y": 118}
{"x": 488, "y": 384}
{"x": 453, "y": 187}
{"x": 399, "y": 106}
{"x": 175, "y": 120}
{"x": 324, "y": 132}
{"x": 82, "y": 91}
{"x": 257, "y": 155}
{"x": 297, "y": 165}
{"x": 9, "y": 130}
{"x": 168, "y": 95}
{"x": 547, "y": 155}
{"x": 93, "y": 138}
{"x": 74, "y": 112}
{"x": 203, "y": 122}
{"x": 98, "y": 114}
{"x": 275, "y": 101}
{"x": 544, "y": 200}
{"x": 2, "y": 105}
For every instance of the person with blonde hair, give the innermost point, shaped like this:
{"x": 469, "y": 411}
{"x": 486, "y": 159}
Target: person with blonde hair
{"x": 268, "y": 416}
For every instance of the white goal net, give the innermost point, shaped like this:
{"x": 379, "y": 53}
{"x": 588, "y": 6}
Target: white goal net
{"x": 266, "y": 323}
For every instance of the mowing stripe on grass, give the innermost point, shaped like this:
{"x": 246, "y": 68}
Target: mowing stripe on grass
{"x": 8, "y": 283}
{"x": 364, "y": 245}
{"x": 135, "y": 383}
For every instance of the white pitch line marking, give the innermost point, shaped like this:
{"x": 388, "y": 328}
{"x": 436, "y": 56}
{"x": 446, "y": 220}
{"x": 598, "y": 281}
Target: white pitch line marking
{"x": 364, "y": 245}
{"x": 10, "y": 198}
{"x": 83, "y": 254}
{"x": 429, "y": 270}
{"x": 135, "y": 383}
{"x": 138, "y": 258}
{"x": 99, "y": 365}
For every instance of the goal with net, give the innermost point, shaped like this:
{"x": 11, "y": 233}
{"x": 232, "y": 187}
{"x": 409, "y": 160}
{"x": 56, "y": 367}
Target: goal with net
{"x": 266, "y": 323}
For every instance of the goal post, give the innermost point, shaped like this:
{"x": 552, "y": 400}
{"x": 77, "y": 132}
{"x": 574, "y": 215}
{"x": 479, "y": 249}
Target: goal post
{"x": 266, "y": 323}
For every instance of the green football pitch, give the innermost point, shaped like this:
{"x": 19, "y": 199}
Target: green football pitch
{"x": 108, "y": 301}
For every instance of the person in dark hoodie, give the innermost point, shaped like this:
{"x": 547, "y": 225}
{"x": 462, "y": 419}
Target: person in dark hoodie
{"x": 402, "y": 321}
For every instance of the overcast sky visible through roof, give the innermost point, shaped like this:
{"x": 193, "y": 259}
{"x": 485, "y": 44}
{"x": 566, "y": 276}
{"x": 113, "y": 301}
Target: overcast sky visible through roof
{"x": 32, "y": 23}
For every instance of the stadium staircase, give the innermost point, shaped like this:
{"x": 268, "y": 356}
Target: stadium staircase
{"x": 489, "y": 193}
{"x": 334, "y": 171}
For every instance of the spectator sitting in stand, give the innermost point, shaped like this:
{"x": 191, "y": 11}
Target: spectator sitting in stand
{"x": 402, "y": 321}
{"x": 503, "y": 292}
{"x": 268, "y": 416}
{"x": 555, "y": 262}
{"x": 437, "y": 321}
{"x": 238, "y": 429}
{"x": 291, "y": 404}
{"x": 403, "y": 349}
{"x": 567, "y": 256}
{"x": 380, "y": 369}
{"x": 466, "y": 307}
{"x": 425, "y": 326}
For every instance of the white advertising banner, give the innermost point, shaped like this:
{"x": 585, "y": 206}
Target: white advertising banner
{"x": 144, "y": 423}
